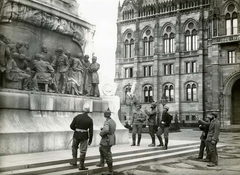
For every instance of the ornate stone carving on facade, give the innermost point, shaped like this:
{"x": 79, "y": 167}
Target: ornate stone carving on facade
{"x": 18, "y": 12}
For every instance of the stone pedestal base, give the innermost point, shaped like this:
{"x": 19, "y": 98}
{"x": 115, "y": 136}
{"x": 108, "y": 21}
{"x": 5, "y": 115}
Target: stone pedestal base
{"x": 37, "y": 122}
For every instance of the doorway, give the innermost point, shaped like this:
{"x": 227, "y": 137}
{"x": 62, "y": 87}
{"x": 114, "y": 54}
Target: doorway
{"x": 236, "y": 102}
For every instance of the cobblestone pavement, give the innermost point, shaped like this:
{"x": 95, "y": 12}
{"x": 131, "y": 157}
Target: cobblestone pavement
{"x": 229, "y": 162}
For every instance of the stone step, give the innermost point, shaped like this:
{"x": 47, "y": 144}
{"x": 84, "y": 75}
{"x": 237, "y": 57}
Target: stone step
{"x": 120, "y": 159}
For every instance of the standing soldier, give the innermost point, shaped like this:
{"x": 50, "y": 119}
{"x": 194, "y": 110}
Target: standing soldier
{"x": 152, "y": 115}
{"x": 212, "y": 139}
{"x": 137, "y": 123}
{"x": 107, "y": 141}
{"x": 61, "y": 66}
{"x": 164, "y": 127}
{"x": 82, "y": 125}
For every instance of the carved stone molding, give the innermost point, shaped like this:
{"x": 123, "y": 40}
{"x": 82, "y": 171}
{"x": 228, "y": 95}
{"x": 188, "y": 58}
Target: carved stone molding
{"x": 13, "y": 11}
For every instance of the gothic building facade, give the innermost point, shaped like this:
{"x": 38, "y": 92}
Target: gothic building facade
{"x": 185, "y": 53}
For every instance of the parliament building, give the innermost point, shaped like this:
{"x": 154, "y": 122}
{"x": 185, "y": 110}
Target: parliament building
{"x": 182, "y": 53}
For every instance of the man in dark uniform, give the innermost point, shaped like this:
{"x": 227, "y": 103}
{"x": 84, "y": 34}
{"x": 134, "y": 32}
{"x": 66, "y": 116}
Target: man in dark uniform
{"x": 82, "y": 125}
{"x": 164, "y": 127}
{"x": 152, "y": 115}
{"x": 204, "y": 126}
{"x": 107, "y": 141}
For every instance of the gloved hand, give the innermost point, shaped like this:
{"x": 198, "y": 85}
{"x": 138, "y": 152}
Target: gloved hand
{"x": 89, "y": 143}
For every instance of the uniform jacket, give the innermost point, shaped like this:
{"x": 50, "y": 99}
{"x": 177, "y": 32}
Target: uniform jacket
{"x": 167, "y": 118}
{"x": 213, "y": 131}
{"x": 108, "y": 133}
{"x": 138, "y": 117}
{"x": 152, "y": 115}
{"x": 82, "y": 121}
{"x": 204, "y": 127}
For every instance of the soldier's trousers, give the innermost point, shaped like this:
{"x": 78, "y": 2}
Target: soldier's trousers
{"x": 106, "y": 150}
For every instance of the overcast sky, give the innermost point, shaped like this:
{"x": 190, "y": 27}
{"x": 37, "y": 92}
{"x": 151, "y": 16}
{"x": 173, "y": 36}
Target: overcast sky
{"x": 103, "y": 14}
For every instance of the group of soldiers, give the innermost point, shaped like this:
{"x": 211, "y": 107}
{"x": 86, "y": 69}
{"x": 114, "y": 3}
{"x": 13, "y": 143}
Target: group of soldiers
{"x": 63, "y": 73}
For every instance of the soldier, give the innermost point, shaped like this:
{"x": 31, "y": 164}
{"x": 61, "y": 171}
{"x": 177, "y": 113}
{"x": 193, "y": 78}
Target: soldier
{"x": 137, "y": 123}
{"x": 93, "y": 68}
{"x": 107, "y": 141}
{"x": 212, "y": 139}
{"x": 61, "y": 66}
{"x": 152, "y": 115}
{"x": 82, "y": 125}
{"x": 164, "y": 127}
{"x": 204, "y": 126}
{"x": 44, "y": 71}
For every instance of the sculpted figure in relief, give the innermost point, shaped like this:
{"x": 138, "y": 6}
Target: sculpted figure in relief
{"x": 93, "y": 68}
{"x": 61, "y": 66}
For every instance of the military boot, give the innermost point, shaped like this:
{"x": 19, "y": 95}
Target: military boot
{"x": 139, "y": 140}
{"x": 101, "y": 163}
{"x": 82, "y": 160}
{"x": 160, "y": 140}
{"x": 133, "y": 140}
{"x": 74, "y": 155}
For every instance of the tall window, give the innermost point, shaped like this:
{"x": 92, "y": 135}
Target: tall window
{"x": 148, "y": 93}
{"x": 148, "y": 71}
{"x": 191, "y": 92}
{"x": 231, "y": 20}
{"x": 148, "y": 43}
{"x": 191, "y": 37}
{"x": 231, "y": 57}
{"x": 128, "y": 72}
{"x": 191, "y": 67}
{"x": 129, "y": 46}
{"x": 169, "y": 92}
{"x": 168, "y": 69}
{"x": 169, "y": 40}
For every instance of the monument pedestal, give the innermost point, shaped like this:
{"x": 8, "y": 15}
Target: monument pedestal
{"x": 39, "y": 121}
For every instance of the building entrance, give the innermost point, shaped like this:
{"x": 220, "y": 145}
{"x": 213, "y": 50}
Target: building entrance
{"x": 236, "y": 102}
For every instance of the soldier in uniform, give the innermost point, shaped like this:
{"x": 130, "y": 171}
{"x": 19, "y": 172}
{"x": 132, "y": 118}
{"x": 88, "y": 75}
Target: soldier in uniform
{"x": 82, "y": 125}
{"x": 212, "y": 139}
{"x": 137, "y": 123}
{"x": 164, "y": 127}
{"x": 152, "y": 115}
{"x": 61, "y": 66}
{"x": 107, "y": 141}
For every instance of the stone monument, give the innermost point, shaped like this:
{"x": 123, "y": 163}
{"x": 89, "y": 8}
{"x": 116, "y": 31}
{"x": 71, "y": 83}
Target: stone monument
{"x": 36, "y": 108}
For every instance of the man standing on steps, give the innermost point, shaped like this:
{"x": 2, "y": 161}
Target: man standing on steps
{"x": 107, "y": 141}
{"x": 137, "y": 123}
{"x": 82, "y": 125}
{"x": 164, "y": 127}
{"x": 152, "y": 115}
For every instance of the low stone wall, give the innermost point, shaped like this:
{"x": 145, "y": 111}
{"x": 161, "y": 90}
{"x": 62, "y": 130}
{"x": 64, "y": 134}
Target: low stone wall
{"x": 37, "y": 122}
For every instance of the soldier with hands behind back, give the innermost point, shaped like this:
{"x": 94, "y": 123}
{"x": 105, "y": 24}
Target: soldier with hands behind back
{"x": 107, "y": 141}
{"x": 82, "y": 125}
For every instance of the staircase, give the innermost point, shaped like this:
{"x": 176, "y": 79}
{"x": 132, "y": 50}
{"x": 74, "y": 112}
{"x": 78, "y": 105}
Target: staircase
{"x": 121, "y": 159}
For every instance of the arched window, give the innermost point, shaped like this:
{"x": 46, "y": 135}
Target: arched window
{"x": 191, "y": 37}
{"x": 169, "y": 40}
{"x": 148, "y": 93}
{"x": 169, "y": 92}
{"x": 129, "y": 46}
{"x": 148, "y": 43}
{"x": 191, "y": 92}
{"x": 231, "y": 20}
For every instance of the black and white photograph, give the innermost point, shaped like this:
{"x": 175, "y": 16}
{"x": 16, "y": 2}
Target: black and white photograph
{"x": 119, "y": 87}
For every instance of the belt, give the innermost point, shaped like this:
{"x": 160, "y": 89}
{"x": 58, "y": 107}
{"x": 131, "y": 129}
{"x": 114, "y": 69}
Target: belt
{"x": 81, "y": 130}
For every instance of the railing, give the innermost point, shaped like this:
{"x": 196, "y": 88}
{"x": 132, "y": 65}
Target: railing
{"x": 225, "y": 39}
